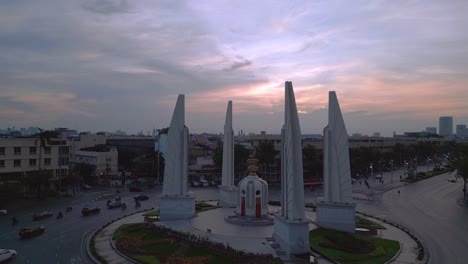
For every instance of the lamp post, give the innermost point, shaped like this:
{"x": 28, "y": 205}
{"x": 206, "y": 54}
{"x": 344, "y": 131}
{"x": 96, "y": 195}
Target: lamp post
{"x": 371, "y": 171}
{"x": 391, "y": 171}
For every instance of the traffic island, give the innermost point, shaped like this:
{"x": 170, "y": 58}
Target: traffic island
{"x": 147, "y": 243}
{"x": 349, "y": 248}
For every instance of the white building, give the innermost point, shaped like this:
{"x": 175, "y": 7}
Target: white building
{"x": 22, "y": 157}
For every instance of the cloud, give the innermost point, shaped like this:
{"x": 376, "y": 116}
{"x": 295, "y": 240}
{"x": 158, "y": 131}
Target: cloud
{"x": 239, "y": 65}
{"x": 107, "y": 7}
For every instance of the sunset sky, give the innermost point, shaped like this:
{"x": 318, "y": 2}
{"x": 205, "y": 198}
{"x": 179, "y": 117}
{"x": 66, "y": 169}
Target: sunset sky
{"x": 103, "y": 65}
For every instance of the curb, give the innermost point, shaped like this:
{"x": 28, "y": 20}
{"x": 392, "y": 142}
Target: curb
{"x": 114, "y": 247}
{"x": 88, "y": 241}
{"x": 418, "y": 241}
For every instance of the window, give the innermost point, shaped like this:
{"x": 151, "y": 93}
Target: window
{"x": 2, "y": 150}
{"x": 2, "y": 164}
{"x": 17, "y": 163}
{"x": 17, "y": 150}
{"x": 63, "y": 162}
{"x": 32, "y": 150}
{"x": 47, "y": 161}
{"x": 47, "y": 150}
{"x": 32, "y": 162}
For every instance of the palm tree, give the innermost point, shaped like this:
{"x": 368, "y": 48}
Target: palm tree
{"x": 42, "y": 179}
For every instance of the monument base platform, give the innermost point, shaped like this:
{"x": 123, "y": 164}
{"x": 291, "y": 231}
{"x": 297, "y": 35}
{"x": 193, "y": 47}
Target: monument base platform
{"x": 228, "y": 196}
{"x": 175, "y": 207}
{"x": 292, "y": 235}
{"x": 338, "y": 216}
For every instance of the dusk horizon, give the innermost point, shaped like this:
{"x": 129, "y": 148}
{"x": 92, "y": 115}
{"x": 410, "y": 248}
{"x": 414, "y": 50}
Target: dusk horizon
{"x": 104, "y": 65}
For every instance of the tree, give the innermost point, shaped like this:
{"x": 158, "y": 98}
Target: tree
{"x": 241, "y": 155}
{"x": 266, "y": 154}
{"x": 41, "y": 179}
{"x": 312, "y": 162}
{"x": 459, "y": 162}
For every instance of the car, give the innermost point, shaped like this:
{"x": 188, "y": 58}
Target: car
{"x": 7, "y": 254}
{"x": 196, "y": 184}
{"x": 28, "y": 232}
{"x": 86, "y": 187}
{"x": 378, "y": 176}
{"x": 90, "y": 211}
{"x": 3, "y": 212}
{"x": 134, "y": 189}
{"x": 141, "y": 197}
{"x": 114, "y": 204}
{"x": 42, "y": 215}
{"x": 204, "y": 183}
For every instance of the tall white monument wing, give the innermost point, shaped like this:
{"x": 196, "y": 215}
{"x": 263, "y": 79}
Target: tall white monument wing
{"x": 291, "y": 154}
{"x": 176, "y": 170}
{"x": 338, "y": 157}
{"x": 228, "y": 150}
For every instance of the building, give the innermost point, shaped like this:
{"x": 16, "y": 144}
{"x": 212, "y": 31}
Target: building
{"x": 446, "y": 126}
{"x": 28, "y": 165}
{"x": 462, "y": 132}
{"x": 92, "y": 149}
{"x": 432, "y": 130}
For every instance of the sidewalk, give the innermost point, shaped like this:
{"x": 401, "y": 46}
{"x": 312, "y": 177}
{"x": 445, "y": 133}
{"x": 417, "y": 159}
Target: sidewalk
{"x": 103, "y": 239}
{"x": 407, "y": 254}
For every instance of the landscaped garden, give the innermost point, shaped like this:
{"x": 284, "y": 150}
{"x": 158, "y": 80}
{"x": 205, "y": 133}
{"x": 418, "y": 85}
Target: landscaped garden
{"x": 350, "y": 248}
{"x": 423, "y": 175}
{"x": 149, "y": 243}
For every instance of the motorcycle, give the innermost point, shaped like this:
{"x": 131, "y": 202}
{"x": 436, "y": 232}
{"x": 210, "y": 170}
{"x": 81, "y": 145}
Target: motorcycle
{"x": 124, "y": 206}
{"x": 59, "y": 215}
{"x": 14, "y": 221}
{"x": 137, "y": 204}
{"x": 69, "y": 209}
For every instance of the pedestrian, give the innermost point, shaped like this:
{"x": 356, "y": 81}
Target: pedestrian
{"x": 398, "y": 192}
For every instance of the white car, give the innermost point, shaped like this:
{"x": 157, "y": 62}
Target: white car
{"x": 7, "y": 254}
{"x": 3, "y": 212}
{"x": 204, "y": 183}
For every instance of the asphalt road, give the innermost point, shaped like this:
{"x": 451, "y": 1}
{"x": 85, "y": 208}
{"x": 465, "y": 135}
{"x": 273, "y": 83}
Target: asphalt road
{"x": 429, "y": 209}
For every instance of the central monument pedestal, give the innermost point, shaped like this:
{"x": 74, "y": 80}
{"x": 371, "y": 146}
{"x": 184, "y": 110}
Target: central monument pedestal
{"x": 176, "y": 207}
{"x": 227, "y": 196}
{"x": 338, "y": 216}
{"x": 292, "y": 235}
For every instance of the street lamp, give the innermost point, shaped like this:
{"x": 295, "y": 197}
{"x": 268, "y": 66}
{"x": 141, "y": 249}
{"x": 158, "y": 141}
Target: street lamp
{"x": 391, "y": 171}
{"x": 371, "y": 171}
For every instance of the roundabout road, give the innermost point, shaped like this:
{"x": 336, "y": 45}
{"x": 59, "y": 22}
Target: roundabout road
{"x": 429, "y": 209}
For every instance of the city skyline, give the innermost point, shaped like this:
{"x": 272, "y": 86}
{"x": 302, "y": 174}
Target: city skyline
{"x": 107, "y": 65}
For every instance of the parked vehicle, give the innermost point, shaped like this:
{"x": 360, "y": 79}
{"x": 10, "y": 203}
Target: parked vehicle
{"x": 3, "y": 212}
{"x": 90, "y": 211}
{"x": 42, "y": 215}
{"x": 196, "y": 184}
{"x": 204, "y": 183}
{"x": 114, "y": 204}
{"x": 134, "y": 189}
{"x": 28, "y": 232}
{"x": 7, "y": 254}
{"x": 378, "y": 176}
{"x": 141, "y": 197}
{"x": 86, "y": 187}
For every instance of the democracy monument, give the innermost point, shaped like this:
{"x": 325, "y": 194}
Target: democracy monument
{"x": 287, "y": 226}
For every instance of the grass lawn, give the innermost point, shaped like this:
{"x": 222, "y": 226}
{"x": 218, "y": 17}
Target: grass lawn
{"x": 352, "y": 248}
{"x": 152, "y": 213}
{"x": 146, "y": 259}
{"x": 201, "y": 207}
{"x": 366, "y": 223}
{"x": 157, "y": 247}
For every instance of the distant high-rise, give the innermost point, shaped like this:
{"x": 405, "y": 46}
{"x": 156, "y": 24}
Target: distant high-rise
{"x": 462, "y": 131}
{"x": 446, "y": 126}
{"x": 432, "y": 130}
